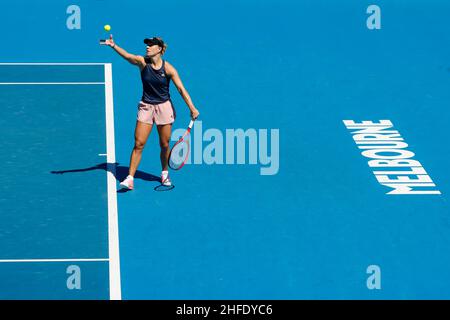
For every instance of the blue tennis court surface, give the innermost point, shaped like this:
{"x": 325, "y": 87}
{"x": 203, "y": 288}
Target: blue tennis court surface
{"x": 288, "y": 193}
{"x": 49, "y": 215}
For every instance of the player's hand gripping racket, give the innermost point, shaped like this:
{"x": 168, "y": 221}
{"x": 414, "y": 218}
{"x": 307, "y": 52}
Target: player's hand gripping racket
{"x": 180, "y": 151}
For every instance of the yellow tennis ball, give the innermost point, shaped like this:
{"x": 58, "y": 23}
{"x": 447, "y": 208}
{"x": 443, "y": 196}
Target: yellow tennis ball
{"x": 107, "y": 27}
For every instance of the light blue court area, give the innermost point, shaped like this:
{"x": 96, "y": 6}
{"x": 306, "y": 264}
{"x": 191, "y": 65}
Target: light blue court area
{"x": 321, "y": 223}
{"x": 54, "y": 210}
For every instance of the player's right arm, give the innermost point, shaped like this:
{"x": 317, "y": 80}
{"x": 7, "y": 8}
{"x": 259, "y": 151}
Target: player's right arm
{"x": 131, "y": 58}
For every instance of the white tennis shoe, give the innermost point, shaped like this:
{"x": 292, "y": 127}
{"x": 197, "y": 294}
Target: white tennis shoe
{"x": 165, "y": 180}
{"x": 128, "y": 183}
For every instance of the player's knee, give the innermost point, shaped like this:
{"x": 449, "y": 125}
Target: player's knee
{"x": 164, "y": 145}
{"x": 138, "y": 145}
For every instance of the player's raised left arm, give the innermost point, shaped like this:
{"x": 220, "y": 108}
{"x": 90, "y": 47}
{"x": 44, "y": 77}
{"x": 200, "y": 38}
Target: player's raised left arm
{"x": 173, "y": 74}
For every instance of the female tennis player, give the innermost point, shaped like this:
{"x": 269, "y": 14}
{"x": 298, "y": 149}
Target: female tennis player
{"x": 155, "y": 106}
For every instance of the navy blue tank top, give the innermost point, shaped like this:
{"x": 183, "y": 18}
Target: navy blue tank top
{"x": 155, "y": 84}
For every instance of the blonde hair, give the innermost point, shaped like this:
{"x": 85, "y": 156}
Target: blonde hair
{"x": 164, "y": 48}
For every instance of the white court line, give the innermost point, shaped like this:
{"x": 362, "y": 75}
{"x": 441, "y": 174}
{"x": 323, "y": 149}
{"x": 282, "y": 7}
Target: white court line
{"x": 113, "y": 224}
{"x": 51, "y": 260}
{"x": 47, "y": 83}
{"x": 51, "y": 64}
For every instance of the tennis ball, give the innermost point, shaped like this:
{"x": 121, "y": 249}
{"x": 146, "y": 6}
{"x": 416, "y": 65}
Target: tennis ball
{"x": 107, "y": 27}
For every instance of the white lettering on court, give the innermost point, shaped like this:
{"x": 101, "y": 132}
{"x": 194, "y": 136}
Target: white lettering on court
{"x": 392, "y": 163}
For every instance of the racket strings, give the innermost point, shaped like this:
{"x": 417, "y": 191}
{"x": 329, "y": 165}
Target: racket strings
{"x": 179, "y": 153}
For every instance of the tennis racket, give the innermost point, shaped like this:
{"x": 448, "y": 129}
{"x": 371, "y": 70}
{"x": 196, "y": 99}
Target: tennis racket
{"x": 180, "y": 151}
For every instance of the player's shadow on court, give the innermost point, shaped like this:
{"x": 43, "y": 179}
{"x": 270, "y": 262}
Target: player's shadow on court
{"x": 120, "y": 173}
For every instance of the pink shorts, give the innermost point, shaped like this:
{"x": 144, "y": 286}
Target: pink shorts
{"x": 161, "y": 113}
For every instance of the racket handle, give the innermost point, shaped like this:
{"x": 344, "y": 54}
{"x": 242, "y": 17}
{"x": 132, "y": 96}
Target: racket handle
{"x": 191, "y": 124}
